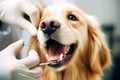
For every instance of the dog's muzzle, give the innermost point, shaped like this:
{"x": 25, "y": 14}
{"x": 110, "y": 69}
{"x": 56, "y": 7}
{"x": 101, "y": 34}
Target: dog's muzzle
{"x": 57, "y": 53}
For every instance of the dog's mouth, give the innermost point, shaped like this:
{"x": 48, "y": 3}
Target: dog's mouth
{"x": 58, "y": 54}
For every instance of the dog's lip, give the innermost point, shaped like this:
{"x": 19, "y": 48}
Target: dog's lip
{"x": 62, "y": 55}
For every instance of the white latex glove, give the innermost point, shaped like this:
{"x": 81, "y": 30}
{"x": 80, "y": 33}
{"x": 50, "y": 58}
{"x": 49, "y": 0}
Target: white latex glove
{"x": 23, "y": 69}
{"x": 11, "y": 11}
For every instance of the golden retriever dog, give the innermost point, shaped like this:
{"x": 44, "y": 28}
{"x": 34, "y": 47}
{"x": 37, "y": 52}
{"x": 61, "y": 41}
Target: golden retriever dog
{"x": 73, "y": 44}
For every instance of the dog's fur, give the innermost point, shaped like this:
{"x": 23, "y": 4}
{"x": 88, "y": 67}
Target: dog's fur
{"x": 91, "y": 55}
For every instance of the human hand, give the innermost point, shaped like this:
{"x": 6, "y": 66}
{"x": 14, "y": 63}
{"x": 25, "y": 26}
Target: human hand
{"x": 23, "y": 69}
{"x": 12, "y": 12}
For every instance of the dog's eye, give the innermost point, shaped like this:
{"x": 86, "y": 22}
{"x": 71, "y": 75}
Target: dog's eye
{"x": 72, "y": 17}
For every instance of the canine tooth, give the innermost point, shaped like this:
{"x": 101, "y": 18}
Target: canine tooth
{"x": 46, "y": 56}
{"x": 67, "y": 49}
{"x": 61, "y": 56}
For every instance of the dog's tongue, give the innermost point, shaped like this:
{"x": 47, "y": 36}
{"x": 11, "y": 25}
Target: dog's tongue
{"x": 55, "y": 49}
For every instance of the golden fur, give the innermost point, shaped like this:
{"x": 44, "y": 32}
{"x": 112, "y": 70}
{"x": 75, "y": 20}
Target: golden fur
{"x": 91, "y": 55}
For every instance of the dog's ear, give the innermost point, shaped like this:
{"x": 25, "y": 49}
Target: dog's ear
{"x": 99, "y": 53}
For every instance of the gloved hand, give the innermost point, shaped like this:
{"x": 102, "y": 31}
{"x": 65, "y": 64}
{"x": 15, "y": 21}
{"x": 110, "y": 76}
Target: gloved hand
{"x": 23, "y": 69}
{"x": 11, "y": 11}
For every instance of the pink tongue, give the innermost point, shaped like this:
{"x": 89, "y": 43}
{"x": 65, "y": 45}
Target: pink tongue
{"x": 54, "y": 51}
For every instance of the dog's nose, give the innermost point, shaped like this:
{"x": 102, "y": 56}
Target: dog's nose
{"x": 49, "y": 26}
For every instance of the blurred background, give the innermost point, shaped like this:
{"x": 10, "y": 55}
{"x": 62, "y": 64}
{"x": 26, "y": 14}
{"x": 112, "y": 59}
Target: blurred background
{"x": 106, "y": 11}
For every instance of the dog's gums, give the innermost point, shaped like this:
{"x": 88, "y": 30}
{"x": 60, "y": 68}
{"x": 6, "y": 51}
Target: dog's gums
{"x": 58, "y": 54}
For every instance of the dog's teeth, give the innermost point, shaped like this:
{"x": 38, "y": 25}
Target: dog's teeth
{"x": 67, "y": 50}
{"x": 61, "y": 56}
{"x": 46, "y": 56}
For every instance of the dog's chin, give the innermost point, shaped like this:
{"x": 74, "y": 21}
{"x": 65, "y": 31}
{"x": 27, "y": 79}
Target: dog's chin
{"x": 59, "y": 55}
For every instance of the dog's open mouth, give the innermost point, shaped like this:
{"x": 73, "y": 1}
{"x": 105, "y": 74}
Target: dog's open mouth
{"x": 58, "y": 54}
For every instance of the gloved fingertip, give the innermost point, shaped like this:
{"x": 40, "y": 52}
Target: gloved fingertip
{"x": 32, "y": 52}
{"x": 31, "y": 60}
{"x": 15, "y": 47}
{"x": 17, "y": 44}
{"x": 27, "y": 25}
{"x": 21, "y": 41}
{"x": 32, "y": 30}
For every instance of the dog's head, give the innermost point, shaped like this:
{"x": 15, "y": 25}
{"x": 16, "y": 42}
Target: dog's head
{"x": 65, "y": 33}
